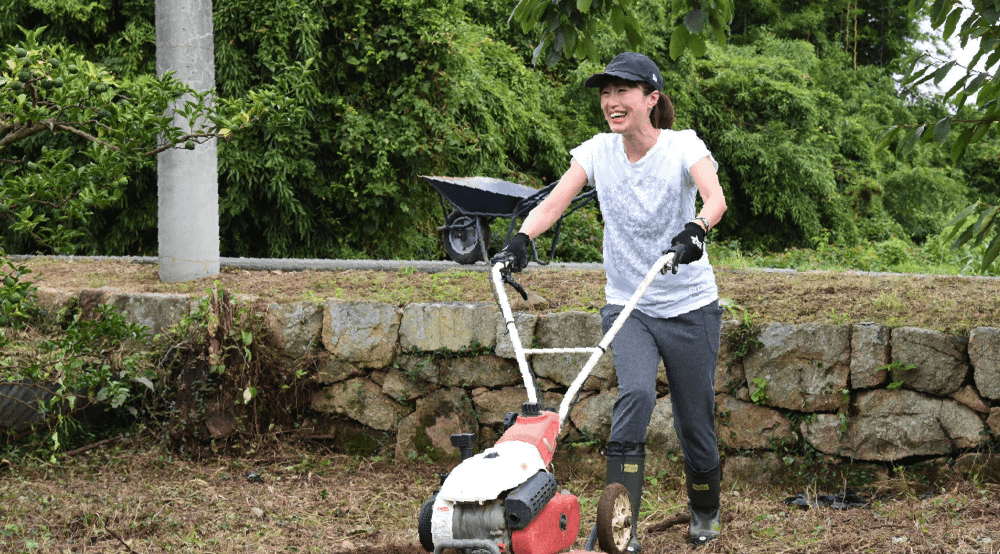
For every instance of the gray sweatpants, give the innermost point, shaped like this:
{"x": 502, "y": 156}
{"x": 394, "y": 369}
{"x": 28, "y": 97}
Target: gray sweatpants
{"x": 689, "y": 347}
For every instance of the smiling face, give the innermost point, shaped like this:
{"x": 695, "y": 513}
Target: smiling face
{"x": 626, "y": 108}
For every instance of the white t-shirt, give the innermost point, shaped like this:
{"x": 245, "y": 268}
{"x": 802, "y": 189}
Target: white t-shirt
{"x": 645, "y": 204}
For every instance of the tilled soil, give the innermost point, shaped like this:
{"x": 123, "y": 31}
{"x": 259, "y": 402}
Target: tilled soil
{"x": 133, "y": 496}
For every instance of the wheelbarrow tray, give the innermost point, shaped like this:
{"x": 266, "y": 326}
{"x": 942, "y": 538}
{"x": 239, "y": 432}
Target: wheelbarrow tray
{"x": 481, "y": 195}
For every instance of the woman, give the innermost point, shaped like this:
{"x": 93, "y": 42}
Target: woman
{"x": 647, "y": 177}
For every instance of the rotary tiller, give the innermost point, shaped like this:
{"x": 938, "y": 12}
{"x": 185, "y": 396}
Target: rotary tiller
{"x": 505, "y": 499}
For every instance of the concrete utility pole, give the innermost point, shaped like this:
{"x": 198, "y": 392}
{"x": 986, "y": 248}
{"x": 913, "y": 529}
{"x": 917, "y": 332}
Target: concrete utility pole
{"x": 187, "y": 180}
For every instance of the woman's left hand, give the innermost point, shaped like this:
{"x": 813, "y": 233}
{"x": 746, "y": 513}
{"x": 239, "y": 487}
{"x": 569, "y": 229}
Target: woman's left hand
{"x": 693, "y": 240}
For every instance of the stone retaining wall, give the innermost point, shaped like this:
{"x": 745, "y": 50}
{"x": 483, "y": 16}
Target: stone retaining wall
{"x": 862, "y": 392}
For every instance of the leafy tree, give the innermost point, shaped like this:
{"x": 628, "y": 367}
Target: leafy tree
{"x": 401, "y": 88}
{"x": 404, "y": 88}
{"x": 975, "y": 224}
{"x": 71, "y": 134}
{"x": 569, "y": 28}
{"x": 870, "y": 32}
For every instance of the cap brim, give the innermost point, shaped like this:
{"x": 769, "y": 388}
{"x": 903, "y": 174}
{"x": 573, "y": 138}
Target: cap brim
{"x": 598, "y": 80}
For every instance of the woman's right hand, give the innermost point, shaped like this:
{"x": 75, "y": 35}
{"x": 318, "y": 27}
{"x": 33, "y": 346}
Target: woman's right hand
{"x": 516, "y": 252}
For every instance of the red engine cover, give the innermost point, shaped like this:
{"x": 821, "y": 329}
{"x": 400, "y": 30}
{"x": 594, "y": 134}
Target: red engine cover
{"x": 540, "y": 431}
{"x": 553, "y": 529}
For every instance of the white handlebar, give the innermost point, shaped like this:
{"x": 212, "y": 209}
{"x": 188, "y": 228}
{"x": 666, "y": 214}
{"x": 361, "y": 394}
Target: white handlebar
{"x": 659, "y": 266}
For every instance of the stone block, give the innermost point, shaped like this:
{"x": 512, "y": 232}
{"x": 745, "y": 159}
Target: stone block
{"x": 744, "y": 425}
{"x": 296, "y": 328}
{"x": 729, "y": 373}
{"x": 592, "y": 414}
{"x": 452, "y": 327}
{"x": 361, "y": 400}
{"x": 890, "y": 425}
{"x": 419, "y": 368}
{"x": 402, "y": 387}
{"x": 869, "y": 355}
{"x": 759, "y": 469}
{"x": 524, "y": 323}
{"x": 571, "y": 330}
{"x": 804, "y": 367}
{"x": 968, "y": 396}
{"x": 493, "y": 405}
{"x": 984, "y": 353}
{"x": 363, "y": 333}
{"x": 53, "y": 301}
{"x": 427, "y": 431}
{"x": 478, "y": 371}
{"x": 993, "y": 421}
{"x": 334, "y": 370}
{"x": 661, "y": 436}
{"x": 158, "y": 312}
{"x": 939, "y": 360}
{"x": 979, "y": 466}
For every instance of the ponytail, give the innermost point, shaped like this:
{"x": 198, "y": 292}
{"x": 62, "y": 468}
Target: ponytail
{"x": 662, "y": 116}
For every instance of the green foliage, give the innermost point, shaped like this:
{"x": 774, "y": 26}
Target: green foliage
{"x": 401, "y": 88}
{"x": 896, "y": 369}
{"x": 572, "y": 29}
{"x": 581, "y": 238}
{"x": 429, "y": 93}
{"x": 92, "y": 361}
{"x": 366, "y": 96}
{"x": 17, "y": 297}
{"x": 980, "y": 20}
{"x": 759, "y": 394}
{"x": 869, "y": 32}
{"x": 775, "y": 134}
{"x": 71, "y": 133}
{"x": 972, "y": 227}
{"x": 922, "y": 199}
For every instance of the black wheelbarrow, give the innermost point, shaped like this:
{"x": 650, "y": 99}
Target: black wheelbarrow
{"x": 474, "y": 202}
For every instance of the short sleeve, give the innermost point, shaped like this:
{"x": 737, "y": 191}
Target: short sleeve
{"x": 693, "y": 149}
{"x": 585, "y": 155}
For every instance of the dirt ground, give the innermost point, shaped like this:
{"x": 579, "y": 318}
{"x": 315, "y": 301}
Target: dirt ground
{"x": 132, "y": 496}
{"x": 946, "y": 303}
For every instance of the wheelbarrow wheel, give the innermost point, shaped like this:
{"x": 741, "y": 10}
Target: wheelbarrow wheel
{"x": 461, "y": 240}
{"x": 614, "y": 519}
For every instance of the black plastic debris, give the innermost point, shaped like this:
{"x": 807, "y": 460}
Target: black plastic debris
{"x": 840, "y": 501}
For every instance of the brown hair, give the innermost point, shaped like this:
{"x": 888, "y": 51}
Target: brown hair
{"x": 662, "y": 116}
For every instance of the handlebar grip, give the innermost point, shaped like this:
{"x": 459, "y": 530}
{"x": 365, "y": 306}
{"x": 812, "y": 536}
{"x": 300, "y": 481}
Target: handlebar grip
{"x": 507, "y": 276}
{"x": 671, "y": 266}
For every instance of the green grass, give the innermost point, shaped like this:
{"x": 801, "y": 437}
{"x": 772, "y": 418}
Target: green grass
{"x": 936, "y": 257}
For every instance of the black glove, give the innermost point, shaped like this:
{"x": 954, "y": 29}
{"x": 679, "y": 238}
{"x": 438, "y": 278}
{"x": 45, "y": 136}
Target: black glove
{"x": 691, "y": 242}
{"x": 516, "y": 252}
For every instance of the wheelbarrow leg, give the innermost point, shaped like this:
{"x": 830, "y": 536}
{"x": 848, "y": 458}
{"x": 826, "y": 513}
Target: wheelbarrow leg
{"x": 482, "y": 239}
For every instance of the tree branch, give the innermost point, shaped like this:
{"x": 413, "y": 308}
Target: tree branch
{"x": 166, "y": 147}
{"x": 51, "y": 124}
{"x": 88, "y": 136}
{"x": 23, "y": 132}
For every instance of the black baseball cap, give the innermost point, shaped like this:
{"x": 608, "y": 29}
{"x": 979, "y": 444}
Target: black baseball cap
{"x": 631, "y": 67}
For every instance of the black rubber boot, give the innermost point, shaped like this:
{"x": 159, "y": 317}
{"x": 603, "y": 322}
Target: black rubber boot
{"x": 626, "y": 465}
{"x": 703, "y": 501}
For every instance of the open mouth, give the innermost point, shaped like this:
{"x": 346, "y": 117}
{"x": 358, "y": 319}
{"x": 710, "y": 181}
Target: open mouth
{"x": 617, "y": 116}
